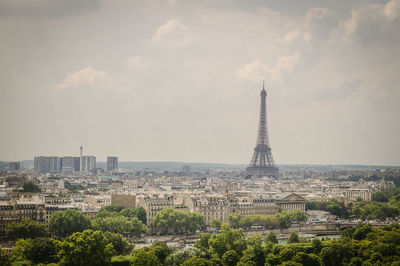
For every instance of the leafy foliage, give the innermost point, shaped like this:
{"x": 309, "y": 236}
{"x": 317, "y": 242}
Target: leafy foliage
{"x": 294, "y": 238}
{"x": 119, "y": 224}
{"x": 39, "y": 250}
{"x": 31, "y": 187}
{"x": 145, "y": 257}
{"x": 5, "y": 258}
{"x": 67, "y": 222}
{"x": 178, "y": 257}
{"x": 120, "y": 244}
{"x": 332, "y": 206}
{"x": 86, "y": 248}
{"x": 27, "y": 228}
{"x": 71, "y": 187}
{"x": 169, "y": 220}
{"x": 280, "y": 220}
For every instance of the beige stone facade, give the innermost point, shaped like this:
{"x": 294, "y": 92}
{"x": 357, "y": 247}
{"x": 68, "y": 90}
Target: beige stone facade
{"x": 127, "y": 201}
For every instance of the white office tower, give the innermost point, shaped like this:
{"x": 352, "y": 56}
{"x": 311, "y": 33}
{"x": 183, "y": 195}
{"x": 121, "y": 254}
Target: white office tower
{"x": 42, "y": 164}
{"x": 55, "y": 164}
{"x": 68, "y": 164}
{"x": 112, "y": 163}
{"x": 88, "y": 163}
{"x": 80, "y": 160}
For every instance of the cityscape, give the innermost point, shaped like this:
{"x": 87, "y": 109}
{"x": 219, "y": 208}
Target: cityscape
{"x": 274, "y": 167}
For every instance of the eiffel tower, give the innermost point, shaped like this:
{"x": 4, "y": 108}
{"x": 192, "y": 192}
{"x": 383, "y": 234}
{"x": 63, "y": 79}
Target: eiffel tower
{"x": 262, "y": 163}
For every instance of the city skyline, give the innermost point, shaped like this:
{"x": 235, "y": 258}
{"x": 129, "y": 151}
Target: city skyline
{"x": 179, "y": 80}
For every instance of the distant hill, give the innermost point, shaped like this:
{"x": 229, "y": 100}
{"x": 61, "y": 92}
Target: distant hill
{"x": 177, "y": 166}
{"x": 174, "y": 166}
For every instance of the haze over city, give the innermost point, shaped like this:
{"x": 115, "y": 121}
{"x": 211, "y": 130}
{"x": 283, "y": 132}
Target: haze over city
{"x": 180, "y": 80}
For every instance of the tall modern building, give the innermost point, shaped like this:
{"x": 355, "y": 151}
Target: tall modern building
{"x": 55, "y": 164}
{"x": 80, "y": 159}
{"x": 68, "y": 164}
{"x": 14, "y": 166}
{"x": 88, "y": 163}
{"x": 262, "y": 163}
{"x": 41, "y": 164}
{"x": 112, "y": 163}
{"x": 77, "y": 164}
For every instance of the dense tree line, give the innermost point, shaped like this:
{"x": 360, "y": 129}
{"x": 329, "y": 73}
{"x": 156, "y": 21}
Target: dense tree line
{"x": 332, "y": 206}
{"x": 361, "y": 245}
{"x": 385, "y": 205}
{"x": 385, "y": 196}
{"x": 281, "y": 220}
{"x": 172, "y": 221}
{"x": 65, "y": 223}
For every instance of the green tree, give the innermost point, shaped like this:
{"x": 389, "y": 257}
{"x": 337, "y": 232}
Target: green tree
{"x": 362, "y": 231}
{"x": 169, "y": 220}
{"x": 120, "y": 244}
{"x": 291, "y": 263}
{"x": 271, "y": 237}
{"x": 68, "y": 222}
{"x": 5, "y": 258}
{"x": 227, "y": 239}
{"x": 31, "y": 187}
{"x": 297, "y": 216}
{"x": 119, "y": 224}
{"x": 216, "y": 262}
{"x": 307, "y": 259}
{"x": 18, "y": 252}
{"x": 380, "y": 196}
{"x": 139, "y": 213}
{"x": 161, "y": 250}
{"x": 216, "y": 223}
{"x": 145, "y": 257}
{"x": 336, "y": 254}
{"x": 294, "y": 238}
{"x": 195, "y": 261}
{"x": 254, "y": 252}
{"x": 272, "y": 259}
{"x": 316, "y": 245}
{"x": 86, "y": 248}
{"x": 202, "y": 243}
{"x": 284, "y": 220}
{"x": 42, "y": 250}
{"x": 178, "y": 257}
{"x": 234, "y": 220}
{"x": 121, "y": 260}
{"x": 113, "y": 208}
{"x": 230, "y": 258}
{"x": 27, "y": 228}
{"x": 287, "y": 254}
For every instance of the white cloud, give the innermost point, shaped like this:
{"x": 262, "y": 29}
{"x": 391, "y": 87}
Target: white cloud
{"x": 256, "y": 70}
{"x": 290, "y": 37}
{"x": 86, "y": 76}
{"x": 137, "y": 62}
{"x": 253, "y": 71}
{"x": 174, "y": 33}
{"x": 373, "y": 23}
{"x": 319, "y": 23}
{"x": 392, "y": 10}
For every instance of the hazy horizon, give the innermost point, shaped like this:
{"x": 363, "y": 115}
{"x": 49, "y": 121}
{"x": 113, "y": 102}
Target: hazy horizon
{"x": 179, "y": 80}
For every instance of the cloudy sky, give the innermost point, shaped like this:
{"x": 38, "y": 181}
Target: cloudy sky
{"x": 179, "y": 80}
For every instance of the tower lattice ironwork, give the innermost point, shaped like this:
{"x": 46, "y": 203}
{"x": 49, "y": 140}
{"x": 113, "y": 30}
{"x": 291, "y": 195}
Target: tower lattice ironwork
{"x": 262, "y": 162}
